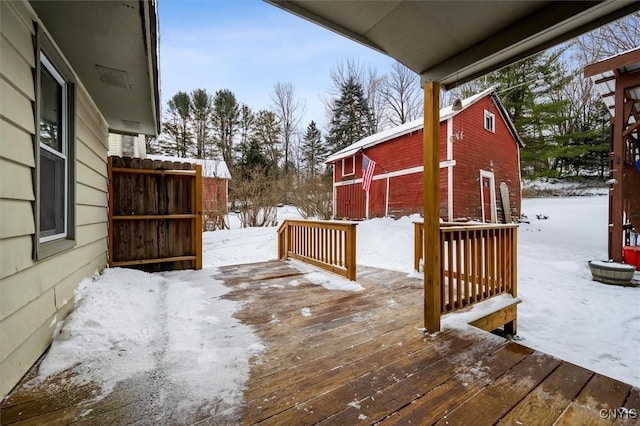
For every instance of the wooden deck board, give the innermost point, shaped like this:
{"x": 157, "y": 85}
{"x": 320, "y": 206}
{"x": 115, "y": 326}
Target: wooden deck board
{"x": 349, "y": 358}
{"x": 600, "y": 393}
{"x": 497, "y": 399}
{"x": 386, "y": 391}
{"x": 467, "y": 381}
{"x": 549, "y": 400}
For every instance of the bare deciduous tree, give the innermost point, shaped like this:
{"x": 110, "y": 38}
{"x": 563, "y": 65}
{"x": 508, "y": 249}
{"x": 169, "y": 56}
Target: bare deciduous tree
{"x": 314, "y": 197}
{"x": 257, "y": 199}
{"x": 289, "y": 111}
{"x": 402, "y": 95}
{"x": 616, "y": 37}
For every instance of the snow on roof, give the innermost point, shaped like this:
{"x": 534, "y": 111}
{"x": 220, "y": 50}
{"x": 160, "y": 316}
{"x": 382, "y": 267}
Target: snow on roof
{"x": 403, "y": 129}
{"x": 216, "y": 168}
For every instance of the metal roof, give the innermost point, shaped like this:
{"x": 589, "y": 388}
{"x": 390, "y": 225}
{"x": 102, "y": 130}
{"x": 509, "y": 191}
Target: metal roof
{"x": 451, "y": 42}
{"x": 604, "y": 74}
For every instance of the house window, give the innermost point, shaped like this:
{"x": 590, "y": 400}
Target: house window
{"x": 489, "y": 121}
{"x": 348, "y": 166}
{"x": 54, "y": 148}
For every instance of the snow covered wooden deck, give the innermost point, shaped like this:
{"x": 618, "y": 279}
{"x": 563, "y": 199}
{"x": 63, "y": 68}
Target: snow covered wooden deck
{"x": 338, "y": 357}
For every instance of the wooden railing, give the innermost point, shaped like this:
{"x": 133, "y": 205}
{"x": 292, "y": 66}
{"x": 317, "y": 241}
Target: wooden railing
{"x": 328, "y": 244}
{"x": 478, "y": 262}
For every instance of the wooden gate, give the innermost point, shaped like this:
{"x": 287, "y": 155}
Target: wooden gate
{"x": 155, "y": 214}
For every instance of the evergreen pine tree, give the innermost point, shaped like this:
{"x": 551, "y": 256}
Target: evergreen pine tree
{"x": 177, "y": 126}
{"x": 314, "y": 151}
{"x": 201, "y": 107}
{"x": 267, "y": 132}
{"x": 524, "y": 89}
{"x": 226, "y": 112}
{"x": 351, "y": 118}
{"x": 252, "y": 158}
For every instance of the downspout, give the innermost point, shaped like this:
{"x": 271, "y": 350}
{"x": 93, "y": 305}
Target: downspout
{"x": 366, "y": 206}
{"x": 335, "y": 192}
{"x": 386, "y": 211}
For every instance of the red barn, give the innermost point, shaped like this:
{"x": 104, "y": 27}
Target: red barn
{"x": 479, "y": 167}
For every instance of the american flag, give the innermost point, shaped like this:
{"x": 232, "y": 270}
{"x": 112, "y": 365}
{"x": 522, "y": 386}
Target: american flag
{"x": 368, "y": 168}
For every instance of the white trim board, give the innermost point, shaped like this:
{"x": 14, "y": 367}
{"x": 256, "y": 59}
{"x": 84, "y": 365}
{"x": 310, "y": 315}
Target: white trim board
{"x": 419, "y": 169}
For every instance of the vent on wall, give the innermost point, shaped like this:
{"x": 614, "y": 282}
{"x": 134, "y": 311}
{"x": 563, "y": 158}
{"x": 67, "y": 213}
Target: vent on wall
{"x": 113, "y": 77}
{"x": 133, "y": 125}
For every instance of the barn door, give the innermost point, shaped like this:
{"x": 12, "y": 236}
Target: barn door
{"x": 350, "y": 202}
{"x": 488, "y": 197}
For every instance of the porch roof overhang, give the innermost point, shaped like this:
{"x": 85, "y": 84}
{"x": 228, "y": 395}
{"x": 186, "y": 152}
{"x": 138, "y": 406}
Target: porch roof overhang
{"x": 113, "y": 48}
{"x": 605, "y": 74}
{"x": 451, "y": 42}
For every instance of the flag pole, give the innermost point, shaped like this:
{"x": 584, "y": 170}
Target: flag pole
{"x": 377, "y": 164}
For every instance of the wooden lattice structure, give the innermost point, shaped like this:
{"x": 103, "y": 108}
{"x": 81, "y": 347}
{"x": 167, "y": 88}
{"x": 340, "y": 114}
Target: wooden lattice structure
{"x": 618, "y": 81}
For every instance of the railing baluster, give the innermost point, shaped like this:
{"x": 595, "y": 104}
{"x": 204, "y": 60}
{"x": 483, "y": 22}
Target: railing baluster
{"x": 467, "y": 266}
{"x": 458, "y": 275}
{"x": 444, "y": 306}
{"x": 450, "y": 271}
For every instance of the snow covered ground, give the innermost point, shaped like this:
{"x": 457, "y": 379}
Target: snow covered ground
{"x": 170, "y": 332}
{"x": 128, "y": 321}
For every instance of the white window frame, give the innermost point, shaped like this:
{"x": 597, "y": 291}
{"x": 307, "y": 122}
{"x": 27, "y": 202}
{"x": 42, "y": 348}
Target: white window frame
{"x": 50, "y": 59}
{"x": 353, "y": 166}
{"x": 492, "y": 117}
{"x": 45, "y": 63}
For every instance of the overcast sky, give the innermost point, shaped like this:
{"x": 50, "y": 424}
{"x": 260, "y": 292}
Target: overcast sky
{"x": 247, "y": 46}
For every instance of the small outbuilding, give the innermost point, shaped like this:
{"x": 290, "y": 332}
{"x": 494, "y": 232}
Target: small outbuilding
{"x": 479, "y": 167}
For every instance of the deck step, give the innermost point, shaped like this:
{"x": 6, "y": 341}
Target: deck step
{"x": 489, "y": 314}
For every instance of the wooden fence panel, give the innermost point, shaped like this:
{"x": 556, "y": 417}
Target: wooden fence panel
{"x": 155, "y": 214}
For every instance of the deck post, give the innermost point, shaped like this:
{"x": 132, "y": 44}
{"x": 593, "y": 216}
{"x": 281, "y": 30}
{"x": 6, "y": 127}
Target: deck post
{"x": 512, "y": 326}
{"x": 431, "y": 206}
{"x": 197, "y": 222}
{"x": 351, "y": 252}
{"x": 617, "y": 156}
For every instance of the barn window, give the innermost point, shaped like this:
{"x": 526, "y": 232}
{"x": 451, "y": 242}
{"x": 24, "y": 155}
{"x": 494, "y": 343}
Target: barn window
{"x": 489, "y": 121}
{"x": 54, "y": 177}
{"x": 348, "y": 166}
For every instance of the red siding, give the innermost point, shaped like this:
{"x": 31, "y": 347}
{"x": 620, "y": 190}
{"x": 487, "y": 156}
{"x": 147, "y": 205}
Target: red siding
{"x": 377, "y": 198}
{"x": 214, "y": 195}
{"x": 483, "y": 150}
{"x": 405, "y": 194}
{"x": 478, "y": 150}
